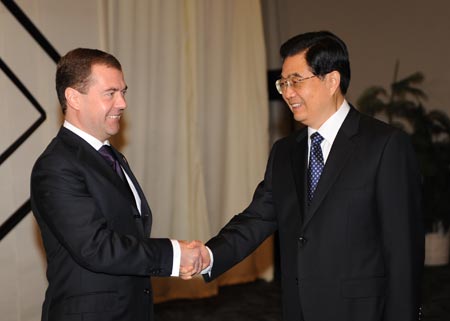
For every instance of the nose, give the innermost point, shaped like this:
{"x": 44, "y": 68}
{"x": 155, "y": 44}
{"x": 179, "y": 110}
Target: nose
{"x": 121, "y": 102}
{"x": 289, "y": 92}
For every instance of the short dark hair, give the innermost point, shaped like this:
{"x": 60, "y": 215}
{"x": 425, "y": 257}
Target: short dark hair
{"x": 74, "y": 70}
{"x": 324, "y": 53}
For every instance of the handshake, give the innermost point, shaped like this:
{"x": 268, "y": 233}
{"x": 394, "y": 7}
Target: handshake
{"x": 194, "y": 259}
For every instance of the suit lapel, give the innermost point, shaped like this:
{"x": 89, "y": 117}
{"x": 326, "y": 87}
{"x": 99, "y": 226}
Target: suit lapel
{"x": 340, "y": 153}
{"x": 299, "y": 165}
{"x": 88, "y": 155}
{"x": 101, "y": 166}
{"x": 145, "y": 209}
{"x": 127, "y": 169}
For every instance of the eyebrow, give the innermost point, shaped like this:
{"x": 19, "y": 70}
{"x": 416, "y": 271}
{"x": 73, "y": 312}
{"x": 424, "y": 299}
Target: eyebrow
{"x": 117, "y": 89}
{"x": 295, "y": 74}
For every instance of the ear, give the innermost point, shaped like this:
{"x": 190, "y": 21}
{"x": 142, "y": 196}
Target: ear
{"x": 333, "y": 81}
{"x": 72, "y": 98}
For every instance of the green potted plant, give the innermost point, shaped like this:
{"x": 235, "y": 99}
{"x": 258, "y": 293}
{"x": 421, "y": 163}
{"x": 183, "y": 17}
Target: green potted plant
{"x": 402, "y": 106}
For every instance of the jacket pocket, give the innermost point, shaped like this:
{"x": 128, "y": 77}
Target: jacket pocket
{"x": 91, "y": 303}
{"x": 362, "y": 288}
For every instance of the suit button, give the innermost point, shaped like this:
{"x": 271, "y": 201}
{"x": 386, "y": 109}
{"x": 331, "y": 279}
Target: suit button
{"x": 146, "y": 291}
{"x": 302, "y": 240}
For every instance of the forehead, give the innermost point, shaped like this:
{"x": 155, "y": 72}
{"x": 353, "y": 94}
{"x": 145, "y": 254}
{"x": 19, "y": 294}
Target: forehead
{"x": 295, "y": 65}
{"x": 106, "y": 76}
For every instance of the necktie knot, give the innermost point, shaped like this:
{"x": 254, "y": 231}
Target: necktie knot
{"x": 108, "y": 154}
{"x": 316, "y": 138}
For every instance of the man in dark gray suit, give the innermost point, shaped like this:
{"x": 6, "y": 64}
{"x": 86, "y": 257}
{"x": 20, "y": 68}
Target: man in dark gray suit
{"x": 94, "y": 219}
{"x": 343, "y": 192}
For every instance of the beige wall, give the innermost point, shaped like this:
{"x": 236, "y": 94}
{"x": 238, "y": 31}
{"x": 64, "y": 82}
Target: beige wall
{"x": 377, "y": 33}
{"x": 66, "y": 24}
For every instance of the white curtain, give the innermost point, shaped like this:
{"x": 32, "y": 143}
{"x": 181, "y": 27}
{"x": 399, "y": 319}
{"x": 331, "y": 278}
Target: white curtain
{"x": 197, "y": 122}
{"x": 195, "y": 132}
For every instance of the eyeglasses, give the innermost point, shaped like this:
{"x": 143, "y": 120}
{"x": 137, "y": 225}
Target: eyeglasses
{"x": 294, "y": 81}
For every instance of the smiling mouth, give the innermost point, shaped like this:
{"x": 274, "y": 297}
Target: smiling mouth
{"x": 115, "y": 116}
{"x": 295, "y": 105}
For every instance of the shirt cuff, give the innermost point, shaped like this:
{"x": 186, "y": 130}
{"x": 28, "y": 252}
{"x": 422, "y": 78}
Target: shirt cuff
{"x": 208, "y": 269}
{"x": 176, "y": 258}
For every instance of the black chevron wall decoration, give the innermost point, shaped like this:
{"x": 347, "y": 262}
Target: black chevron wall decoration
{"x": 28, "y": 25}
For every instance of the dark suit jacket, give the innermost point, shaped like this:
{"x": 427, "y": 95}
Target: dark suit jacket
{"x": 98, "y": 252}
{"x": 356, "y": 254}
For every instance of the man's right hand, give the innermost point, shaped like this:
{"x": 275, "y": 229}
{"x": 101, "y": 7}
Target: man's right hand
{"x": 194, "y": 258}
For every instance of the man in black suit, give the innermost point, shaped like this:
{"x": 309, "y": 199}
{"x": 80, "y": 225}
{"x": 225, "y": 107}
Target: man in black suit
{"x": 343, "y": 192}
{"x": 94, "y": 219}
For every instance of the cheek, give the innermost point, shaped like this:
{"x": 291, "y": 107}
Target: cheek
{"x": 101, "y": 109}
{"x": 313, "y": 97}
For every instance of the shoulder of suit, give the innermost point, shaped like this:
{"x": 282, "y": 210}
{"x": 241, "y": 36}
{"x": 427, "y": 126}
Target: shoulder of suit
{"x": 293, "y": 137}
{"x": 375, "y": 129}
{"x": 63, "y": 149}
{"x": 374, "y": 123}
{"x": 289, "y": 142}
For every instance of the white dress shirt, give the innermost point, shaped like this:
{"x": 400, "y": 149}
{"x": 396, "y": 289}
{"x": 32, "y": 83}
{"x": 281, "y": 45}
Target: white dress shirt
{"x": 329, "y": 130}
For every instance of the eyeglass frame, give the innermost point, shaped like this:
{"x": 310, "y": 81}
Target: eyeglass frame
{"x": 290, "y": 83}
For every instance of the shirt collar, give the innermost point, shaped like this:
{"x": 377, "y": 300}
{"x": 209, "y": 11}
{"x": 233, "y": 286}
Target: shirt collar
{"x": 91, "y": 140}
{"x": 331, "y": 126}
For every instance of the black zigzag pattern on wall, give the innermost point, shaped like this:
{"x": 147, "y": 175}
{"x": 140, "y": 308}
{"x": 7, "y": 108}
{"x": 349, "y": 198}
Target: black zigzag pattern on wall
{"x": 26, "y": 23}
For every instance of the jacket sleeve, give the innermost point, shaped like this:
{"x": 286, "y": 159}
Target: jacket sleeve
{"x": 399, "y": 207}
{"x": 71, "y": 219}
{"x": 247, "y": 230}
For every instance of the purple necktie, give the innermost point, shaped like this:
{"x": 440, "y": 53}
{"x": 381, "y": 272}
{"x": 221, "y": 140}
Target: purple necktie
{"x": 108, "y": 154}
{"x": 315, "y": 164}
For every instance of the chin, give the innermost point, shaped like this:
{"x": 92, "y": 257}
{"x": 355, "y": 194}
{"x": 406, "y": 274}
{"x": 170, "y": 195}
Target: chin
{"x": 114, "y": 130}
{"x": 299, "y": 118}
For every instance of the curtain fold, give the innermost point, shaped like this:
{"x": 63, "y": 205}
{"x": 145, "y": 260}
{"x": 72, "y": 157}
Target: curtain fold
{"x": 196, "y": 129}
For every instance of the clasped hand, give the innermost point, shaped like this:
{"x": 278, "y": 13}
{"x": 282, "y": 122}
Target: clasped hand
{"x": 194, "y": 258}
